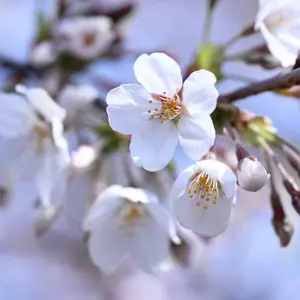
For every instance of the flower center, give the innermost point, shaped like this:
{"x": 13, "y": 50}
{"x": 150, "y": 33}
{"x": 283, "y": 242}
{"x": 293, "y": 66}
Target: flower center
{"x": 42, "y": 132}
{"x": 133, "y": 214}
{"x": 204, "y": 189}
{"x": 169, "y": 109}
{"x": 279, "y": 19}
{"x": 89, "y": 39}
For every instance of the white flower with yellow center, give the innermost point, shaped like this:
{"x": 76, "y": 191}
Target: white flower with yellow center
{"x": 279, "y": 23}
{"x": 34, "y": 121}
{"x": 162, "y": 111}
{"x": 203, "y": 196}
{"x": 85, "y": 37}
{"x": 128, "y": 223}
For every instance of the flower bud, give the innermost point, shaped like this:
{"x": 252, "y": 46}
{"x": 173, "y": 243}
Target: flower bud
{"x": 43, "y": 54}
{"x": 252, "y": 175}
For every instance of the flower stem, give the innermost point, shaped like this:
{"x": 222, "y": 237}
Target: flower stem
{"x": 207, "y": 25}
{"x": 249, "y": 30}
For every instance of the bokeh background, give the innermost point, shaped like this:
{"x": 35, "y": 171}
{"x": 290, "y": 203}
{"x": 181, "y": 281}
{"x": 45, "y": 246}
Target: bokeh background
{"x": 246, "y": 262}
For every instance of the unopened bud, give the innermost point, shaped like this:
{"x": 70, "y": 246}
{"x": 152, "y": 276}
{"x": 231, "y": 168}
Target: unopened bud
{"x": 282, "y": 226}
{"x": 252, "y": 175}
{"x": 284, "y": 230}
{"x": 43, "y": 54}
{"x": 291, "y": 186}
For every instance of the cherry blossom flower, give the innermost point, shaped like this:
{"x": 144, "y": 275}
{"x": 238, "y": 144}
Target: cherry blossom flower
{"x": 203, "y": 196}
{"x": 162, "y": 111}
{"x": 35, "y": 120}
{"x": 85, "y": 37}
{"x": 128, "y": 223}
{"x": 279, "y": 23}
{"x": 252, "y": 175}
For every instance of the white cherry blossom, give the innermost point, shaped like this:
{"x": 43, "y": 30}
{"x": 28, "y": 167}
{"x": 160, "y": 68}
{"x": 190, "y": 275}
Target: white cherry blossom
{"x": 163, "y": 111}
{"x": 85, "y": 37}
{"x": 35, "y": 121}
{"x": 279, "y": 23}
{"x": 203, "y": 196}
{"x": 128, "y": 223}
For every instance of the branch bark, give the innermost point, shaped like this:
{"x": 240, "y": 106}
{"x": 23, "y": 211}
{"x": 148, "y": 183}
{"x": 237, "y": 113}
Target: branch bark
{"x": 282, "y": 81}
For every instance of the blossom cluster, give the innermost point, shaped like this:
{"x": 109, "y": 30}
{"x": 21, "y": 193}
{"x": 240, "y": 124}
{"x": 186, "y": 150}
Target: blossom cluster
{"x": 56, "y": 138}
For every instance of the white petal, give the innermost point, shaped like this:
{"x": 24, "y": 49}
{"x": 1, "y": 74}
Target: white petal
{"x": 221, "y": 172}
{"x": 149, "y": 246}
{"x": 279, "y": 50}
{"x": 107, "y": 244}
{"x": 42, "y": 102}
{"x": 127, "y": 107}
{"x": 52, "y": 175}
{"x": 199, "y": 93}
{"x": 57, "y": 134}
{"x": 154, "y": 146}
{"x": 16, "y": 118}
{"x": 267, "y": 8}
{"x": 196, "y": 136}
{"x": 206, "y": 222}
{"x": 135, "y": 195}
{"x": 158, "y": 73}
{"x": 180, "y": 184}
{"x": 105, "y": 206}
{"x": 161, "y": 215}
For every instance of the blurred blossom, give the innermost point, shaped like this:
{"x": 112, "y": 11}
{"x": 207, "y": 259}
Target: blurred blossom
{"x": 278, "y": 21}
{"x": 252, "y": 175}
{"x": 43, "y": 54}
{"x": 36, "y": 121}
{"x": 128, "y": 223}
{"x": 83, "y": 157}
{"x": 203, "y": 196}
{"x": 76, "y": 100}
{"x": 85, "y": 37}
{"x": 159, "y": 115}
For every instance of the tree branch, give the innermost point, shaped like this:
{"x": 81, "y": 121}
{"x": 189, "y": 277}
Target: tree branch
{"x": 282, "y": 81}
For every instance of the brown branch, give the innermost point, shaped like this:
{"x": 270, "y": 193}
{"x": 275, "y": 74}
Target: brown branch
{"x": 281, "y": 81}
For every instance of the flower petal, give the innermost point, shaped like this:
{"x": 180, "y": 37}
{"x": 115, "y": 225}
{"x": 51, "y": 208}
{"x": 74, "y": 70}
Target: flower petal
{"x": 196, "y": 136}
{"x": 154, "y": 146}
{"x": 199, "y": 93}
{"x": 127, "y": 107}
{"x": 180, "y": 184}
{"x": 42, "y": 102}
{"x": 161, "y": 215}
{"x": 279, "y": 50}
{"x": 106, "y": 204}
{"x": 206, "y": 222}
{"x": 158, "y": 73}
{"x": 107, "y": 244}
{"x": 16, "y": 118}
{"x": 51, "y": 177}
{"x": 149, "y": 246}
